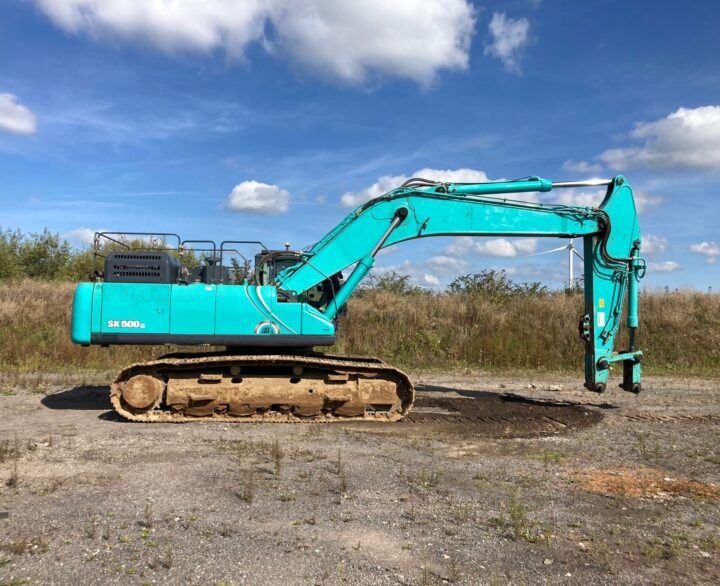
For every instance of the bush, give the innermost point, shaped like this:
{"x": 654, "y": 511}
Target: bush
{"x": 495, "y": 285}
{"x": 49, "y": 257}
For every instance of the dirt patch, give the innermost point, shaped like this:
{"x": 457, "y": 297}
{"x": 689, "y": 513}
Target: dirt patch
{"x": 501, "y": 416}
{"x": 644, "y": 482}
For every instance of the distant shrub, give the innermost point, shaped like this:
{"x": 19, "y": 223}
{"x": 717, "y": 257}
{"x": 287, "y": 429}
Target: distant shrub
{"x": 393, "y": 282}
{"x": 494, "y": 285}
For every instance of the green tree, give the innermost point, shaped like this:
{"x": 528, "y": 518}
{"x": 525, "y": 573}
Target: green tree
{"x": 10, "y": 266}
{"x": 393, "y": 282}
{"x": 495, "y": 285}
{"x": 44, "y": 255}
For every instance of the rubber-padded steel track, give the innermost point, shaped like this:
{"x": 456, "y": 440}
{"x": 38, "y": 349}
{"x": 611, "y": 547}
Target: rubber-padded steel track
{"x": 178, "y": 364}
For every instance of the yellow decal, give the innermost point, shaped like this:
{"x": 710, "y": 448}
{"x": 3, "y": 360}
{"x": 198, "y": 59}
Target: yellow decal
{"x": 601, "y": 303}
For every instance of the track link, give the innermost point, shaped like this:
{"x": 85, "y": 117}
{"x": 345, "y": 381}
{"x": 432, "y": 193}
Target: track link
{"x": 350, "y": 388}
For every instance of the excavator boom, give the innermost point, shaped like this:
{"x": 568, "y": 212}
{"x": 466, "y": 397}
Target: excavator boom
{"x": 271, "y": 323}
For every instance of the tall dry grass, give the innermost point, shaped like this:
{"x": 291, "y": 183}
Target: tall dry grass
{"x": 680, "y": 332}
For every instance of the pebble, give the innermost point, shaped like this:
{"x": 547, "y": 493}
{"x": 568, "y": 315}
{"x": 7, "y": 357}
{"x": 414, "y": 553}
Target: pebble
{"x": 547, "y": 561}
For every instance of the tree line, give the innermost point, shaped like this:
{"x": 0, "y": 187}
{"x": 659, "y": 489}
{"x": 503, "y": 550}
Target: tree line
{"x": 47, "y": 256}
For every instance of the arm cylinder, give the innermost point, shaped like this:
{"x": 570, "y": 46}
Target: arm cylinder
{"x": 632, "y": 316}
{"x": 363, "y": 268}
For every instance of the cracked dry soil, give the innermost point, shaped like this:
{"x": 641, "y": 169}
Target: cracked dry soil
{"x": 488, "y": 482}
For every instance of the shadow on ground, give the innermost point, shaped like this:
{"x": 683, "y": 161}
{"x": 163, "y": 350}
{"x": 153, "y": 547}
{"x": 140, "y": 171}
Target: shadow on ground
{"x": 91, "y": 398}
{"x": 505, "y": 396}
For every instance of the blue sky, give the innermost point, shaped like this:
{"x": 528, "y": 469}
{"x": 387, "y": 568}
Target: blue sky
{"x": 266, "y": 120}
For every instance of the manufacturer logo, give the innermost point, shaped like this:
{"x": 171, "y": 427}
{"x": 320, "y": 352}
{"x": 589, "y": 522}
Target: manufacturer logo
{"x": 267, "y": 328}
{"x": 125, "y": 323}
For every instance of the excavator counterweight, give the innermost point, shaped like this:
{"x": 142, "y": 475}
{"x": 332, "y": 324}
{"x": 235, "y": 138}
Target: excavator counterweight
{"x": 270, "y": 321}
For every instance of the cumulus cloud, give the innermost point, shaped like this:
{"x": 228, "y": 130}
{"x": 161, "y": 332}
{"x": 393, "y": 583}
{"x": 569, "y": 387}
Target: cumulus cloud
{"x": 258, "y": 198}
{"x": 81, "y": 236}
{"x": 653, "y": 245}
{"x": 420, "y": 274}
{"x": 574, "y": 197}
{"x": 431, "y": 280}
{"x": 499, "y": 247}
{"x": 687, "y": 138}
{"x": 581, "y": 166}
{"x": 389, "y": 182}
{"x": 592, "y": 199}
{"x": 509, "y": 38}
{"x": 710, "y": 250}
{"x": 446, "y": 264}
{"x": 381, "y": 186}
{"x": 666, "y": 266}
{"x": 344, "y": 39}
{"x": 15, "y": 117}
{"x": 643, "y": 200}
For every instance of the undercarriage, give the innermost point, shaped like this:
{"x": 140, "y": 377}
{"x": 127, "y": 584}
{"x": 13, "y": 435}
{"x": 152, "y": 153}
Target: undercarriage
{"x": 251, "y": 388}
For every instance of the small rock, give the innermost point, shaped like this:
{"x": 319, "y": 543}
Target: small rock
{"x": 581, "y": 545}
{"x": 553, "y": 388}
{"x": 568, "y": 575}
{"x": 547, "y": 561}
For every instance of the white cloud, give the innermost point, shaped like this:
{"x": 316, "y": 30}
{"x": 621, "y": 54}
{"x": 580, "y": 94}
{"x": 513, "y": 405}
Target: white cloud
{"x": 710, "y": 249}
{"x": 431, "y": 280}
{"x": 581, "y": 166}
{"x": 419, "y": 273}
{"x": 499, "y": 247}
{"x": 81, "y": 236}
{"x": 381, "y": 186}
{"x": 446, "y": 264}
{"x": 15, "y": 117}
{"x": 643, "y": 200}
{"x": 349, "y": 39}
{"x": 258, "y": 198}
{"x": 509, "y": 38}
{"x": 653, "y": 245}
{"x": 573, "y": 197}
{"x": 462, "y": 175}
{"x": 388, "y": 182}
{"x": 667, "y": 266}
{"x": 344, "y": 39}
{"x": 689, "y": 137}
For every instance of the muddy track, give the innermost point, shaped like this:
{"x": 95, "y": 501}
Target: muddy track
{"x": 501, "y": 416}
{"x": 712, "y": 418}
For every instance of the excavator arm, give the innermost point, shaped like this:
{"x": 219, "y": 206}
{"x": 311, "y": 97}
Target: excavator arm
{"x": 422, "y": 208}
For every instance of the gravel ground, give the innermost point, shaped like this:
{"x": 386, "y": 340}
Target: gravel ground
{"x": 547, "y": 486}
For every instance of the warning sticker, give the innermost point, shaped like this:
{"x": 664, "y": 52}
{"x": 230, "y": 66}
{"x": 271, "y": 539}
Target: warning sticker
{"x": 601, "y": 319}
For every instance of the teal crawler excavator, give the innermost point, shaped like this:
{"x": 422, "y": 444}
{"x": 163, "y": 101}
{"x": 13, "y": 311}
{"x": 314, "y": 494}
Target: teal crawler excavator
{"x": 271, "y": 323}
